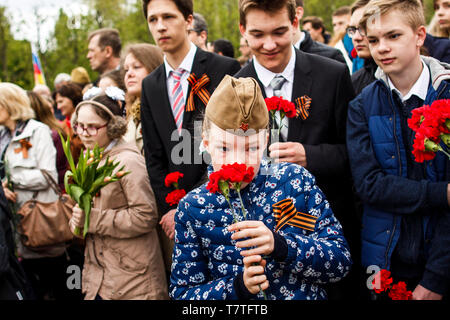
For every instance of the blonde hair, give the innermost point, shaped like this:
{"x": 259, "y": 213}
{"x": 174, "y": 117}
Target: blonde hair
{"x": 411, "y": 11}
{"x": 15, "y": 101}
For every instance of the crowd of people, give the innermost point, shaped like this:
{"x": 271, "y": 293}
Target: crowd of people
{"x": 335, "y": 193}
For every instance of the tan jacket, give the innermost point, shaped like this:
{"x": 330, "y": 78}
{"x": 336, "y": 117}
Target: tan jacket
{"x": 123, "y": 257}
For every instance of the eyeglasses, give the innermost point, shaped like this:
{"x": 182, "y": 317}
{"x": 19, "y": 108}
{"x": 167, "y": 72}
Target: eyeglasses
{"x": 351, "y": 31}
{"x": 91, "y": 130}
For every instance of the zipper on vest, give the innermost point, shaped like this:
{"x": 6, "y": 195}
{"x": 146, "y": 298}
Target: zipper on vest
{"x": 389, "y": 243}
{"x": 394, "y": 118}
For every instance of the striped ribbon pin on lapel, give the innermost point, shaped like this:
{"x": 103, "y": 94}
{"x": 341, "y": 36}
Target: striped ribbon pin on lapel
{"x": 197, "y": 88}
{"x": 303, "y": 106}
{"x": 286, "y": 214}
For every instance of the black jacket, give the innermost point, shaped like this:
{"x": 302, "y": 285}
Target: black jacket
{"x": 438, "y": 48}
{"x": 308, "y": 45}
{"x": 323, "y": 133}
{"x": 364, "y": 76}
{"x": 13, "y": 282}
{"x": 158, "y": 125}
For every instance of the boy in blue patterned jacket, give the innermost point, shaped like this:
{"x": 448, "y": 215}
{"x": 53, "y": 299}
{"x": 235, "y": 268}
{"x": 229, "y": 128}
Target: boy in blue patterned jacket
{"x": 215, "y": 258}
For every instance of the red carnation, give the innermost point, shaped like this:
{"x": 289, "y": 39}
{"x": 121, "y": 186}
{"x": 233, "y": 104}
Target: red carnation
{"x": 172, "y": 179}
{"x": 288, "y": 108}
{"x": 382, "y": 281}
{"x": 421, "y": 151}
{"x": 273, "y": 103}
{"x": 399, "y": 292}
{"x": 174, "y": 197}
{"x": 213, "y": 184}
{"x": 417, "y": 118}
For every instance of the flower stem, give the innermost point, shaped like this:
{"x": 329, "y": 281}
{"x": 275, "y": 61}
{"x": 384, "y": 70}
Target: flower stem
{"x": 238, "y": 189}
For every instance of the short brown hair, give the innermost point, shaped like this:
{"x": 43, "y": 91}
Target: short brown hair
{"x": 186, "y": 7}
{"x": 108, "y": 37}
{"x": 342, "y": 11}
{"x": 358, "y": 5}
{"x": 267, "y": 6}
{"x": 316, "y": 22}
{"x": 72, "y": 91}
{"x": 149, "y": 55}
{"x": 411, "y": 10}
{"x": 299, "y": 3}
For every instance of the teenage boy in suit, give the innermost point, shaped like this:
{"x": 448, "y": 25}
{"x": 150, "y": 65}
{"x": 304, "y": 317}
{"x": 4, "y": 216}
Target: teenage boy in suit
{"x": 167, "y": 112}
{"x": 317, "y": 142}
{"x": 406, "y": 203}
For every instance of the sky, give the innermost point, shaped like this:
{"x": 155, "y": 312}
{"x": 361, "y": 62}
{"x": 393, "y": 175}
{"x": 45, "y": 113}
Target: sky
{"x": 22, "y": 18}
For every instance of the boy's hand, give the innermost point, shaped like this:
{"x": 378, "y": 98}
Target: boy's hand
{"x": 254, "y": 277}
{"x": 259, "y": 236}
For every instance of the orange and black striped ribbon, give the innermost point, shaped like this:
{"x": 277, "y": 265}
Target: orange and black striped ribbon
{"x": 24, "y": 146}
{"x": 286, "y": 214}
{"x": 197, "y": 88}
{"x": 303, "y": 106}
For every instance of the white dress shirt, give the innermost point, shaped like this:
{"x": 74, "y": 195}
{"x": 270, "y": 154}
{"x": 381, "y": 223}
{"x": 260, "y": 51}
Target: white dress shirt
{"x": 266, "y": 76}
{"x": 420, "y": 87}
{"x": 186, "y": 65}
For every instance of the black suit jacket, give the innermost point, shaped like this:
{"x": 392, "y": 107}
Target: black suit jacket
{"x": 161, "y": 153}
{"x": 323, "y": 133}
{"x": 308, "y": 45}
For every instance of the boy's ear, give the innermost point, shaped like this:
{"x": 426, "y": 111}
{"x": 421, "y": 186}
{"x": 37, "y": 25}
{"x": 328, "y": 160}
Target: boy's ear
{"x": 421, "y": 35}
{"x": 242, "y": 29}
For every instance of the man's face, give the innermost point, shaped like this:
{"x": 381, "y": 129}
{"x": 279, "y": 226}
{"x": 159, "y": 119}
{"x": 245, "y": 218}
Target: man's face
{"x": 394, "y": 45}
{"x": 270, "y": 36}
{"x": 316, "y": 34}
{"x": 199, "y": 39}
{"x": 167, "y": 25}
{"x": 359, "y": 41}
{"x": 340, "y": 23}
{"x": 244, "y": 48}
{"x": 97, "y": 56}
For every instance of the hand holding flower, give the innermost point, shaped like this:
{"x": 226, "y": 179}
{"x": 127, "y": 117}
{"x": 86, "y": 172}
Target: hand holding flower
{"x": 254, "y": 278}
{"x": 257, "y": 236}
{"x": 77, "y": 220}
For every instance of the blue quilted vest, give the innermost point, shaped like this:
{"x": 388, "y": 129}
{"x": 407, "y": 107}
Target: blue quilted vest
{"x": 381, "y": 229}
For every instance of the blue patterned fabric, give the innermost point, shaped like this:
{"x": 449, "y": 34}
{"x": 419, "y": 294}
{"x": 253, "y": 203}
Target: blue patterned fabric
{"x": 206, "y": 260}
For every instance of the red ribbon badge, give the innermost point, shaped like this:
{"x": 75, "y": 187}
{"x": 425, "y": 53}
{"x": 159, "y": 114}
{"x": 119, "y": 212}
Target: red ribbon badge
{"x": 197, "y": 88}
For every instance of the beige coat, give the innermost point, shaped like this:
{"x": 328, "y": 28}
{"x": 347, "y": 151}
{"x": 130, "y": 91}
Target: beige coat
{"x": 123, "y": 258}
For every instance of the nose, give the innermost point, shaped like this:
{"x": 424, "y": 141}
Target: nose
{"x": 160, "y": 26}
{"x": 269, "y": 44}
{"x": 383, "y": 46}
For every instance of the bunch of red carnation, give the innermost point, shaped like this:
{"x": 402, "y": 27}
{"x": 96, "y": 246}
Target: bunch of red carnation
{"x": 383, "y": 283}
{"x": 432, "y": 125}
{"x": 230, "y": 176}
{"x": 174, "y": 197}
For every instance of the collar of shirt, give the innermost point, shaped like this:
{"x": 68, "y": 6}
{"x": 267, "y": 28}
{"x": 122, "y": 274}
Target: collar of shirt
{"x": 186, "y": 64}
{"x": 265, "y": 75}
{"x": 299, "y": 42}
{"x": 420, "y": 88}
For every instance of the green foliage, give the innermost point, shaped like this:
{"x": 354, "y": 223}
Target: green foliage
{"x": 67, "y": 47}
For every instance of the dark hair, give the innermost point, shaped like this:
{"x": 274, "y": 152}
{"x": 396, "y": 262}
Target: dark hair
{"x": 72, "y": 91}
{"x": 108, "y": 38}
{"x": 200, "y": 23}
{"x": 186, "y": 7}
{"x": 224, "y": 46}
{"x": 117, "y": 77}
{"x": 316, "y": 23}
{"x": 267, "y": 6}
{"x": 299, "y": 3}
